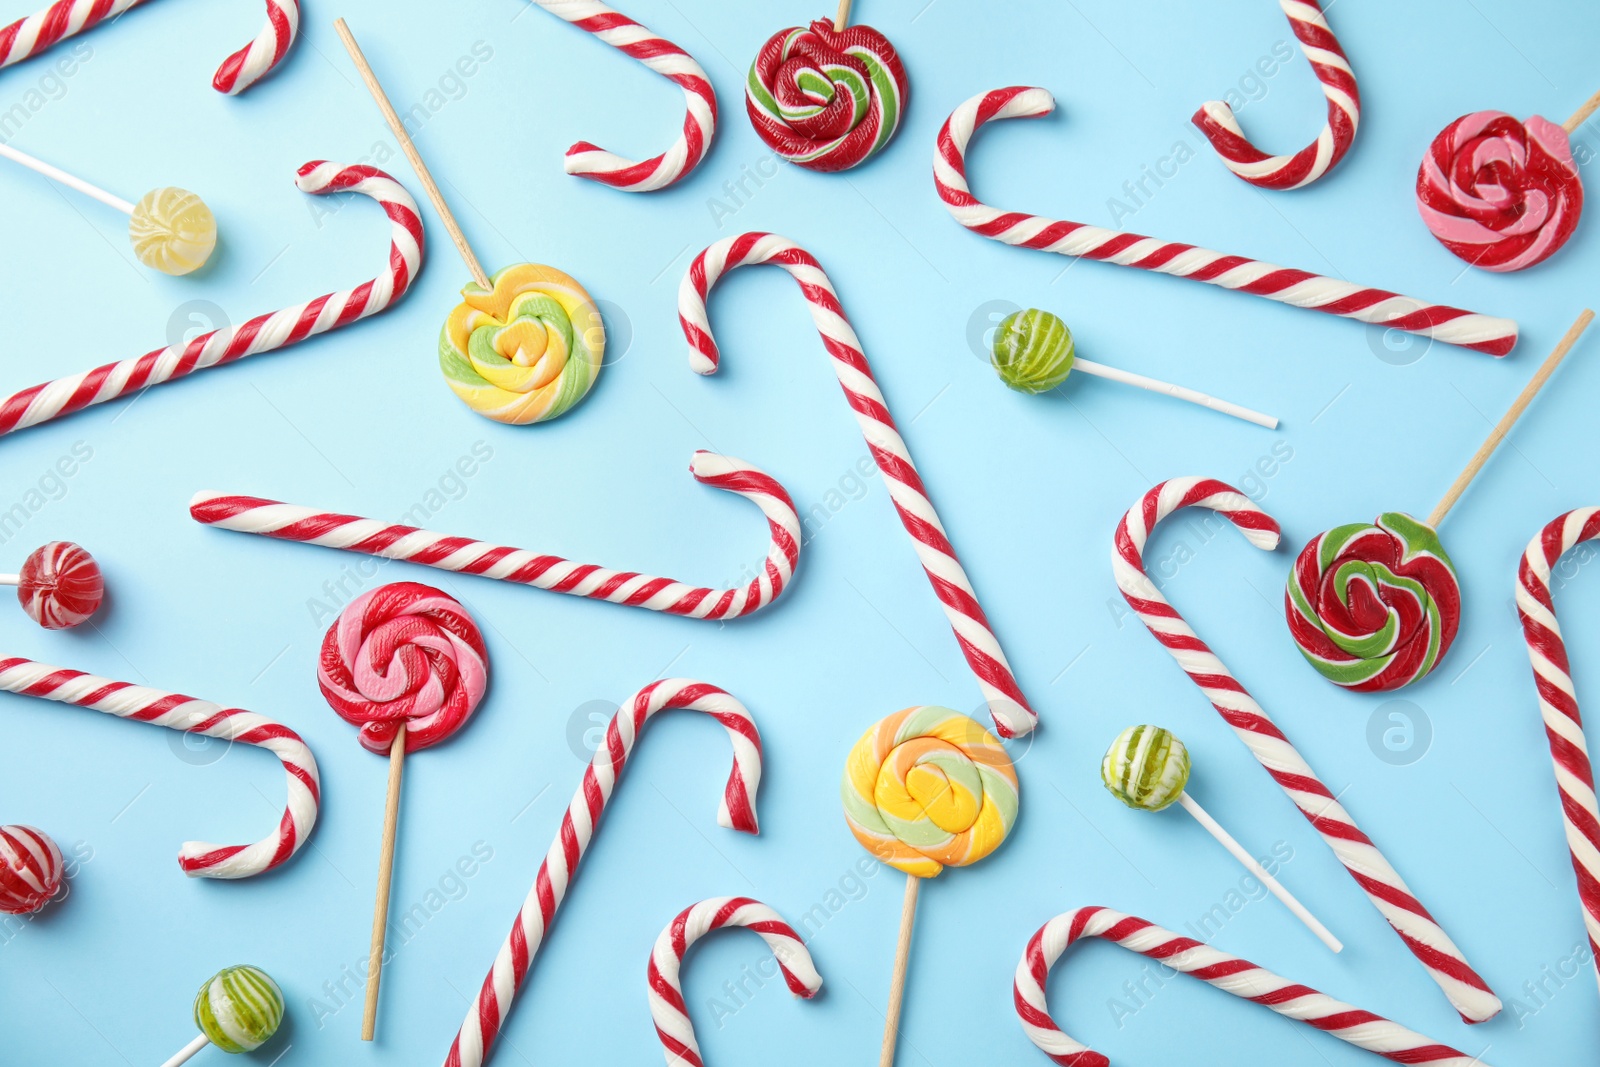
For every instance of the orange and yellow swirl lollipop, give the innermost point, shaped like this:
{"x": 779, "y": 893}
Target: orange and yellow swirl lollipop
{"x": 925, "y": 789}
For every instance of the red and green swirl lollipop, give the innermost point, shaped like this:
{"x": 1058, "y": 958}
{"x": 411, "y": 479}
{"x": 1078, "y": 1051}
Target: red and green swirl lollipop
{"x": 1375, "y": 606}
{"x": 828, "y": 96}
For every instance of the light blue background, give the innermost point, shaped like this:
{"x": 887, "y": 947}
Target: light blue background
{"x": 1030, "y": 490}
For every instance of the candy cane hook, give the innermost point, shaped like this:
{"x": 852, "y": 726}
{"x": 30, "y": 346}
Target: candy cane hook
{"x": 665, "y": 58}
{"x": 667, "y": 1007}
{"x": 289, "y": 522}
{"x": 27, "y": 37}
{"x": 1012, "y": 715}
{"x": 1230, "y": 974}
{"x": 736, "y": 812}
{"x": 1216, "y": 120}
{"x": 265, "y": 333}
{"x": 1383, "y": 885}
{"x": 1295, "y": 287}
{"x": 1558, "y": 703}
{"x": 175, "y": 711}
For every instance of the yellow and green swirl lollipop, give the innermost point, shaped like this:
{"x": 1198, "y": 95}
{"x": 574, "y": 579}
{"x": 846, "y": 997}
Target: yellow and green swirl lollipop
{"x": 524, "y": 349}
{"x": 523, "y": 346}
{"x": 925, "y": 789}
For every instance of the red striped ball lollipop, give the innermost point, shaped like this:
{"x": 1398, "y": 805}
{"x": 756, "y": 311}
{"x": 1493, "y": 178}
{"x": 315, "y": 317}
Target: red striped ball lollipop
{"x": 30, "y": 869}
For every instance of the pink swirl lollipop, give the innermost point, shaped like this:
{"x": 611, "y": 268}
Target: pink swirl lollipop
{"x": 405, "y": 663}
{"x": 1502, "y": 194}
{"x": 404, "y": 658}
{"x": 30, "y": 869}
{"x": 59, "y": 585}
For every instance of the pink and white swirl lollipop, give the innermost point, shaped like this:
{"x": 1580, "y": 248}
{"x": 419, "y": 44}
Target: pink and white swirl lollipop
{"x": 1499, "y": 193}
{"x": 59, "y": 585}
{"x": 405, "y": 663}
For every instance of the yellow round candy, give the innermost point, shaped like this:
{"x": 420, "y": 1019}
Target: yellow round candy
{"x": 526, "y": 350}
{"x": 172, "y": 230}
{"x": 929, "y": 788}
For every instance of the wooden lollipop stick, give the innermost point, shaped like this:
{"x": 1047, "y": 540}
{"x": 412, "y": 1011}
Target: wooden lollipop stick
{"x": 56, "y": 174}
{"x": 1503, "y": 427}
{"x": 380, "y": 910}
{"x": 842, "y": 19}
{"x": 1580, "y": 116}
{"x": 1176, "y": 391}
{"x": 1273, "y": 885}
{"x": 897, "y": 984}
{"x": 398, "y": 129}
{"x": 188, "y": 1051}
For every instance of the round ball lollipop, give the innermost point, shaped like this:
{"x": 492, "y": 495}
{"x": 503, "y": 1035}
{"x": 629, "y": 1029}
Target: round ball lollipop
{"x": 1034, "y": 352}
{"x": 524, "y": 346}
{"x": 59, "y": 585}
{"x": 31, "y": 869}
{"x": 172, "y": 230}
{"x": 1147, "y": 768}
{"x": 405, "y": 663}
{"x": 925, "y": 789}
{"x": 828, "y": 96}
{"x": 1375, "y": 606}
{"x": 238, "y": 1010}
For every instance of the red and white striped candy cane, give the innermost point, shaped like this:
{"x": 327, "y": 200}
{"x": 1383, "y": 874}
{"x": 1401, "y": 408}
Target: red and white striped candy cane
{"x": 252, "y": 62}
{"x": 1216, "y": 120}
{"x": 290, "y": 522}
{"x": 667, "y": 1008}
{"x": 27, "y": 37}
{"x": 665, "y": 58}
{"x": 1558, "y": 703}
{"x": 1296, "y": 287}
{"x": 175, "y": 711}
{"x": 1467, "y": 992}
{"x": 265, "y": 333}
{"x": 1012, "y": 715}
{"x": 1228, "y": 973}
{"x": 736, "y": 811}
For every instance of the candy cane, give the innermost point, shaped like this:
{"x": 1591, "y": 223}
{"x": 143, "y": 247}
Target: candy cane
{"x": 1382, "y": 884}
{"x": 1228, "y": 973}
{"x": 252, "y": 62}
{"x": 265, "y": 333}
{"x": 289, "y": 522}
{"x": 665, "y": 58}
{"x": 1558, "y": 703}
{"x": 1216, "y": 120}
{"x": 667, "y": 1007}
{"x": 1012, "y": 715}
{"x": 27, "y": 37}
{"x": 736, "y": 812}
{"x": 175, "y": 711}
{"x": 1314, "y": 292}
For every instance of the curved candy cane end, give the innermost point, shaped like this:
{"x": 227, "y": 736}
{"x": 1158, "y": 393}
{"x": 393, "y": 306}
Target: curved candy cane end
{"x": 263, "y": 55}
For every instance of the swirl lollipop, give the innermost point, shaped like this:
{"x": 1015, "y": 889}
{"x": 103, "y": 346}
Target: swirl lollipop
{"x": 1502, "y": 194}
{"x": 925, "y": 789}
{"x": 1033, "y": 353}
{"x": 1376, "y": 606}
{"x": 59, "y": 585}
{"x": 405, "y": 663}
{"x": 1147, "y": 768}
{"x": 523, "y": 346}
{"x": 237, "y": 1010}
{"x": 171, "y": 229}
{"x": 31, "y": 869}
{"x": 828, "y": 96}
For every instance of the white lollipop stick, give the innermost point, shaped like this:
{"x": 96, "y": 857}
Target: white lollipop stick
{"x": 1273, "y": 885}
{"x": 1179, "y": 392}
{"x": 56, "y": 174}
{"x": 200, "y": 1041}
